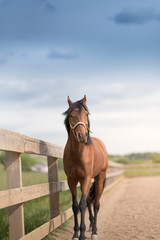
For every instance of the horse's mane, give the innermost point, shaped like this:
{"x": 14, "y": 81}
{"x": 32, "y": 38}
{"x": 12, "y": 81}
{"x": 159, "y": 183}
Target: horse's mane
{"x": 79, "y": 105}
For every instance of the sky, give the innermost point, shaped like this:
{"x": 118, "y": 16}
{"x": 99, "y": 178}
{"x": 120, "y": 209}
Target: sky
{"x": 108, "y": 50}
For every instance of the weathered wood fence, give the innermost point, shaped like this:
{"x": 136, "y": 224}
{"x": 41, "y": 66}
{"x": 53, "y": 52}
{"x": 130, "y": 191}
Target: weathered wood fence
{"x": 142, "y": 169}
{"x": 14, "y": 144}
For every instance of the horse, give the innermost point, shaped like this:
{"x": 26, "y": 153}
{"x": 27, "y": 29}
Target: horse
{"x": 84, "y": 158}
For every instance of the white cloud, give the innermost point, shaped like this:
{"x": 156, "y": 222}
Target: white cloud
{"x": 45, "y": 123}
{"x": 126, "y": 119}
{"x": 125, "y": 132}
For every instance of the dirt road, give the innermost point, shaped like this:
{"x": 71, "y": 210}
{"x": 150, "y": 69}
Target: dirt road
{"x": 129, "y": 211}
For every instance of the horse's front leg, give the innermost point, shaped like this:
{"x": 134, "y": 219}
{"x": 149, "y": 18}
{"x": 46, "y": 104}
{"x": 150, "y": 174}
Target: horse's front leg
{"x": 75, "y": 207}
{"x": 85, "y": 186}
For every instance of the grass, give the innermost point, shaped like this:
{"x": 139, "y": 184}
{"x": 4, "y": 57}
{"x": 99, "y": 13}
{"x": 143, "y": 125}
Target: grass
{"x": 143, "y": 169}
{"x": 2, "y": 179}
{"x": 36, "y": 212}
{"x": 131, "y": 172}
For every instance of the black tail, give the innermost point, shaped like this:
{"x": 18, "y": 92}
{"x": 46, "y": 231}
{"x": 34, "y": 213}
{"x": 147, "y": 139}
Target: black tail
{"x": 92, "y": 191}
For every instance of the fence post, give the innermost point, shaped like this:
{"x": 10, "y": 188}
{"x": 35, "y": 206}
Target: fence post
{"x": 151, "y": 168}
{"x": 14, "y": 180}
{"x": 53, "y": 177}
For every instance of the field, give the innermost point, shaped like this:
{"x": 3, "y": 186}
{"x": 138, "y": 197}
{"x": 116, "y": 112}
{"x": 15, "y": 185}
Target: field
{"x": 36, "y": 212}
{"x": 142, "y": 170}
{"x": 139, "y": 164}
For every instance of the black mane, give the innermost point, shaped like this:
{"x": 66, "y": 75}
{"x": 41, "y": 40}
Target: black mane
{"x": 79, "y": 105}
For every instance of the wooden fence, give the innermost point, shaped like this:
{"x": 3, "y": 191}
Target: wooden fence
{"x": 149, "y": 168}
{"x": 14, "y": 144}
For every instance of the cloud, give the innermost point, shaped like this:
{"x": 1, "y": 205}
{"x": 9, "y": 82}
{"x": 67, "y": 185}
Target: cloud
{"x": 49, "y": 7}
{"x": 140, "y": 16}
{"x": 62, "y": 54}
{"x": 119, "y": 112}
{"x": 2, "y": 61}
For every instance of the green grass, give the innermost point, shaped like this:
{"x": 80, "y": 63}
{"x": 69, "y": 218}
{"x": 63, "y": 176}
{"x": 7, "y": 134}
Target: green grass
{"x": 28, "y": 178}
{"x": 36, "y": 212}
{"x": 142, "y": 170}
{"x": 33, "y": 178}
{"x": 3, "y": 184}
{"x": 4, "y": 224}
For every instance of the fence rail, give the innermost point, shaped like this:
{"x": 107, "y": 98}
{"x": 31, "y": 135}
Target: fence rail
{"x": 149, "y": 168}
{"x": 14, "y": 144}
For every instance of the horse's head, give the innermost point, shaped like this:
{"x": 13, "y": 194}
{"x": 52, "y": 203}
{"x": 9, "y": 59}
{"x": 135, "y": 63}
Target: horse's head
{"x": 77, "y": 120}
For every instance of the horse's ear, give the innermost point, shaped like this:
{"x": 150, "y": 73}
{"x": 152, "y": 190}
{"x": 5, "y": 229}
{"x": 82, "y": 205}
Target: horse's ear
{"x": 84, "y": 100}
{"x": 69, "y": 101}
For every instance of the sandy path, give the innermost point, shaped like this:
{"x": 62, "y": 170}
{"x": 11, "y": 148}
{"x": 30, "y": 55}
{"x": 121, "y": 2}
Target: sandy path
{"x": 131, "y": 210}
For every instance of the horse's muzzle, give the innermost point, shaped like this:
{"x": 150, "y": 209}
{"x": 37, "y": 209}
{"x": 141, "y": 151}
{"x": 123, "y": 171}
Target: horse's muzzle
{"x": 82, "y": 138}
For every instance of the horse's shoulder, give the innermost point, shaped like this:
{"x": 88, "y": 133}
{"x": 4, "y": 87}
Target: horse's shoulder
{"x": 98, "y": 144}
{"x": 97, "y": 140}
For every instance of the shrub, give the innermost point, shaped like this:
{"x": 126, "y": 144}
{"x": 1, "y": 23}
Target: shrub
{"x": 27, "y": 160}
{"x": 123, "y": 160}
{"x": 156, "y": 157}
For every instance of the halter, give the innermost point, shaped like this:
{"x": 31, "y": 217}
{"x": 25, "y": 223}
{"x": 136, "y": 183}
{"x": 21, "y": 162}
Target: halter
{"x": 79, "y": 123}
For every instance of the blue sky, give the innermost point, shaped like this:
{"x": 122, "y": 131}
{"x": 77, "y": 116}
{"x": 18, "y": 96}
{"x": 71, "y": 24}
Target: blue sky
{"x": 108, "y": 50}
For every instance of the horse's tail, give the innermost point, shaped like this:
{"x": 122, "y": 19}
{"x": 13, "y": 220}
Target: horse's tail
{"x": 92, "y": 191}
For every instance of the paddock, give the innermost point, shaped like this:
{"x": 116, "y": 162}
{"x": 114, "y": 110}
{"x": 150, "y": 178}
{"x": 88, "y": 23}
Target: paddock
{"x": 14, "y": 144}
{"x": 129, "y": 211}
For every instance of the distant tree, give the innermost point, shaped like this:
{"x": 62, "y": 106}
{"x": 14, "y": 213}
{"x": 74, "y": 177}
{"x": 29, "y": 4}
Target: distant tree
{"x": 156, "y": 157}
{"x": 27, "y": 161}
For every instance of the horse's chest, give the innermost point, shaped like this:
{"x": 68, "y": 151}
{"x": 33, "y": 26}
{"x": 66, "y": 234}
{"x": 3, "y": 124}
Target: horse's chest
{"x": 77, "y": 171}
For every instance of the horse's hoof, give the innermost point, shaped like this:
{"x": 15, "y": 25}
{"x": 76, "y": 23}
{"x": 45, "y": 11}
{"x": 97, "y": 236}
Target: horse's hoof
{"x": 94, "y": 237}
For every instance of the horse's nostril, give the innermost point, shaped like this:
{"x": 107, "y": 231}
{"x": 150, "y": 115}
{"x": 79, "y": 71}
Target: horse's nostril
{"x": 79, "y": 135}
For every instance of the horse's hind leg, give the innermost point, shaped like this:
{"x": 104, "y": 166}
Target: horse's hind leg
{"x": 99, "y": 185}
{"x": 94, "y": 227}
{"x": 91, "y": 218}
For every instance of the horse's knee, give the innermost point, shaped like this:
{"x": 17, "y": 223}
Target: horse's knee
{"x": 75, "y": 208}
{"x": 83, "y": 203}
{"x": 96, "y": 206}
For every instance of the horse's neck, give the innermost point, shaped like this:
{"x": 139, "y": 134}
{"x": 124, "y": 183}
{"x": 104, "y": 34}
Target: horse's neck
{"x": 75, "y": 146}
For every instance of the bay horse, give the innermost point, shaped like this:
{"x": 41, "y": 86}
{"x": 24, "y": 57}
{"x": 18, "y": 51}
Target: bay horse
{"x": 84, "y": 158}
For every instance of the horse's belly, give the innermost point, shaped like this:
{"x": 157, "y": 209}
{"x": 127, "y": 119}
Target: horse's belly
{"x": 100, "y": 164}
